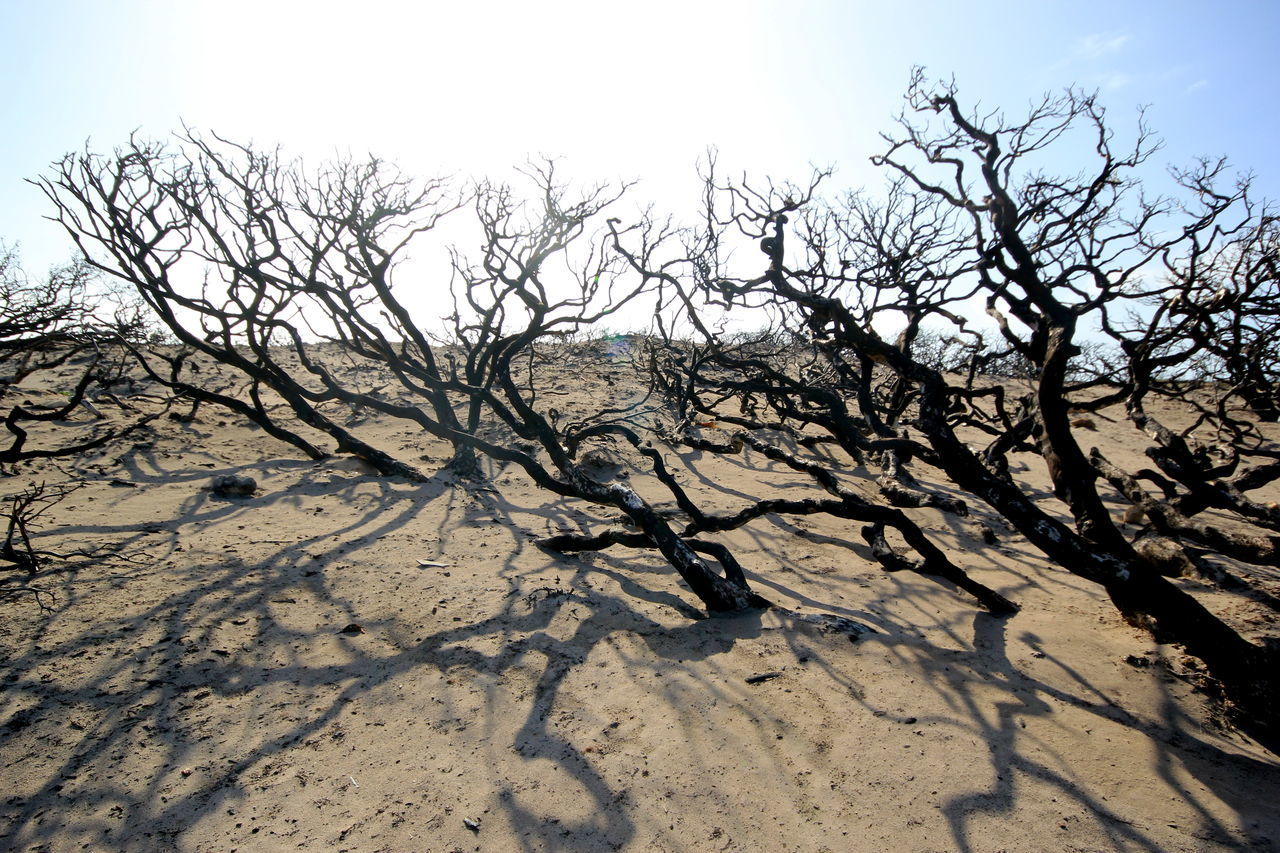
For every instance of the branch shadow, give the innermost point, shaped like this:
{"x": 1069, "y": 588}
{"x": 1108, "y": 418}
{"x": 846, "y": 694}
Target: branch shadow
{"x": 219, "y": 643}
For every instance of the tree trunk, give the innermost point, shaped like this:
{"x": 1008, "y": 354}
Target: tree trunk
{"x": 719, "y": 594}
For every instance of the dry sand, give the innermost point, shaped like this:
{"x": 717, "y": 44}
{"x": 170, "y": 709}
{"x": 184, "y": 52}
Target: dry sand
{"x": 279, "y": 672}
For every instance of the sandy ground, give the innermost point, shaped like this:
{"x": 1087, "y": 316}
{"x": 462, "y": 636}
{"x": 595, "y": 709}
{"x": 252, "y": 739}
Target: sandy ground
{"x": 280, "y": 672}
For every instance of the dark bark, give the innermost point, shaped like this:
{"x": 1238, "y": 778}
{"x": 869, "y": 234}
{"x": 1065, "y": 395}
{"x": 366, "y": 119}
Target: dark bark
{"x": 1258, "y": 550}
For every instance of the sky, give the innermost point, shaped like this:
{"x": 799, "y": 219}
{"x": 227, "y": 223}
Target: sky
{"x": 618, "y": 91}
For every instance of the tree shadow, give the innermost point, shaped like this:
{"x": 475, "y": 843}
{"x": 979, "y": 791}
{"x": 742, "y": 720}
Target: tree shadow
{"x": 221, "y": 645}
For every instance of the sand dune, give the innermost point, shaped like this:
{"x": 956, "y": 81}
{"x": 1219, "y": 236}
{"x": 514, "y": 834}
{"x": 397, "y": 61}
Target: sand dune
{"x": 348, "y": 662}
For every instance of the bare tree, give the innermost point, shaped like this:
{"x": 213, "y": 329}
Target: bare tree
{"x": 1221, "y": 307}
{"x": 1048, "y": 257}
{"x": 56, "y": 322}
{"x": 250, "y": 261}
{"x": 24, "y": 509}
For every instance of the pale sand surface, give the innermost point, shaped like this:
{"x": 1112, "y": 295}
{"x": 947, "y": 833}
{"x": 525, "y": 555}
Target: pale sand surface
{"x": 203, "y": 696}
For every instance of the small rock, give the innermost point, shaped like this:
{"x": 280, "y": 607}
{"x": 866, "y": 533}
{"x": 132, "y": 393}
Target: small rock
{"x": 473, "y": 825}
{"x": 353, "y": 629}
{"x": 1165, "y": 556}
{"x": 233, "y": 486}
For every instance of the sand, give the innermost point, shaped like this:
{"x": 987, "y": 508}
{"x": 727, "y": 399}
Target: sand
{"x": 343, "y": 661}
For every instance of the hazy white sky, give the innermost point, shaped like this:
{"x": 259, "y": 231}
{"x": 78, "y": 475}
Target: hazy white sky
{"x": 618, "y": 90}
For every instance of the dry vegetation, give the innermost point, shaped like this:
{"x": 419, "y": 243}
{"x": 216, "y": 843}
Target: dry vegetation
{"x": 978, "y": 586}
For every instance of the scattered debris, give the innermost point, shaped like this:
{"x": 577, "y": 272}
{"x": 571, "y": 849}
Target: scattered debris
{"x": 829, "y": 623}
{"x": 763, "y": 676}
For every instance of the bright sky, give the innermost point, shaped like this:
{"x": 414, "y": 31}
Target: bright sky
{"x": 619, "y": 90}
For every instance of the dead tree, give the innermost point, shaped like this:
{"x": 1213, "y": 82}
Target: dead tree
{"x": 1221, "y": 301}
{"x": 24, "y": 509}
{"x": 1053, "y": 253}
{"x": 1046, "y": 256}
{"x": 743, "y": 393}
{"x": 1210, "y": 343}
{"x": 250, "y": 261}
{"x": 263, "y": 248}
{"x": 62, "y": 327}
